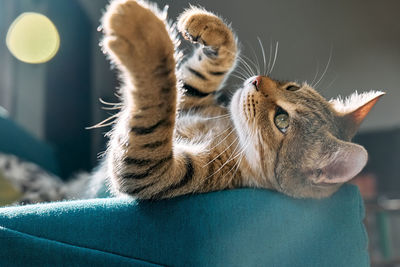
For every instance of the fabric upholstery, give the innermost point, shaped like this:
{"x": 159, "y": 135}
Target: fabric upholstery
{"x": 243, "y": 227}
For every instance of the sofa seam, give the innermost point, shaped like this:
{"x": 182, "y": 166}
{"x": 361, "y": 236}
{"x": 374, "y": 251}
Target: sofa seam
{"x": 79, "y": 246}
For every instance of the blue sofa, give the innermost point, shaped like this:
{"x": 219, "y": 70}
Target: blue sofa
{"x": 243, "y": 227}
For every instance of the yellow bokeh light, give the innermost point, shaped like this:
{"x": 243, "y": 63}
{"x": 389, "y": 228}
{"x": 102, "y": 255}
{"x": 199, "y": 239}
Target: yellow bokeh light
{"x": 33, "y": 38}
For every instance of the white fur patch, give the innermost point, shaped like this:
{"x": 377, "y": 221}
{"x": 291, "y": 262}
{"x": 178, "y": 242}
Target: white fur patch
{"x": 354, "y": 101}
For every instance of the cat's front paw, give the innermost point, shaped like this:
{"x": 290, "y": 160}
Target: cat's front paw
{"x": 134, "y": 33}
{"x": 200, "y": 26}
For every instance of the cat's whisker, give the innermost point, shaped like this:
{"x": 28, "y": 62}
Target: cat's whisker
{"x": 276, "y": 54}
{"x": 247, "y": 61}
{"x": 269, "y": 58}
{"x": 222, "y": 133}
{"x": 263, "y": 54}
{"x": 101, "y": 154}
{"x": 238, "y": 154}
{"x": 241, "y": 150}
{"x": 111, "y": 108}
{"x": 316, "y": 74}
{"x": 250, "y": 71}
{"x": 233, "y": 142}
{"x": 237, "y": 164}
{"x": 109, "y": 103}
{"x": 330, "y": 84}
{"x": 239, "y": 76}
{"x": 104, "y": 123}
{"x": 211, "y": 148}
{"x": 252, "y": 62}
{"x": 325, "y": 70}
{"x": 218, "y": 117}
{"x": 244, "y": 72}
{"x": 247, "y": 68}
{"x": 240, "y": 70}
{"x": 257, "y": 66}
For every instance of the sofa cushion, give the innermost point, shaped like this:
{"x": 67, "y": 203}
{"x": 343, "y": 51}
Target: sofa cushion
{"x": 243, "y": 227}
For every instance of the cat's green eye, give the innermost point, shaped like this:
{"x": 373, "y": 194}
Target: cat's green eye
{"x": 292, "y": 88}
{"x": 281, "y": 120}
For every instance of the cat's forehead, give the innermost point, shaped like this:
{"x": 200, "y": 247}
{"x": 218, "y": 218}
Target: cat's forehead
{"x": 306, "y": 98}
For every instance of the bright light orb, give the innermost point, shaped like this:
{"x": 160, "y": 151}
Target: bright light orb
{"x": 33, "y": 38}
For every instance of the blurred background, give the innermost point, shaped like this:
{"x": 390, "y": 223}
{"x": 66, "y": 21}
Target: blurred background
{"x": 347, "y": 45}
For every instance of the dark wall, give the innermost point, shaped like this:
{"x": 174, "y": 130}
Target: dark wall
{"x": 68, "y": 97}
{"x": 384, "y": 159}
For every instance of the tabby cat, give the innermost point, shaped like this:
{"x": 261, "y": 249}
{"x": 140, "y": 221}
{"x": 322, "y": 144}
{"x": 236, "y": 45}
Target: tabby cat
{"x": 172, "y": 138}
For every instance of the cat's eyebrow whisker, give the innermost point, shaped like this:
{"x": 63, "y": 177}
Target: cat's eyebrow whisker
{"x": 316, "y": 74}
{"x": 263, "y": 54}
{"x": 276, "y": 54}
{"x": 270, "y": 57}
{"x": 330, "y": 84}
{"x": 325, "y": 70}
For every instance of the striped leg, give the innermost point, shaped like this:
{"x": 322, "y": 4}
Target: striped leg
{"x": 205, "y": 71}
{"x": 141, "y": 158}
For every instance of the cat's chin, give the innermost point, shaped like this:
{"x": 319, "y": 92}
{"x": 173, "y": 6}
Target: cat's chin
{"x": 236, "y": 104}
{"x": 238, "y": 116}
{"x": 234, "y": 108}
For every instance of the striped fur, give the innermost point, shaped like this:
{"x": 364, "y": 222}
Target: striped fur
{"x": 172, "y": 138}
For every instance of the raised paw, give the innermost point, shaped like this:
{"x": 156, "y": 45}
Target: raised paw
{"x": 200, "y": 26}
{"x": 135, "y": 32}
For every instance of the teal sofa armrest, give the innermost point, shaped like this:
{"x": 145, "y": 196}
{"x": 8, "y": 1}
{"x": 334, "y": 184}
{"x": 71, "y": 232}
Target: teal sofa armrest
{"x": 243, "y": 227}
{"x": 15, "y": 140}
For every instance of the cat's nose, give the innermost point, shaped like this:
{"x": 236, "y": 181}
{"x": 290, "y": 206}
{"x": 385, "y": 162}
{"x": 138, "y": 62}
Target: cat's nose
{"x": 263, "y": 83}
{"x": 257, "y": 82}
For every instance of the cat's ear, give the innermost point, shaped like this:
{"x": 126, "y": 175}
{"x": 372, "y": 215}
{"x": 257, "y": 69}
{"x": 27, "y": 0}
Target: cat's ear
{"x": 353, "y": 109}
{"x": 345, "y": 162}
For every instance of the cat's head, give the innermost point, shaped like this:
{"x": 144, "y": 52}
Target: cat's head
{"x": 297, "y": 141}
